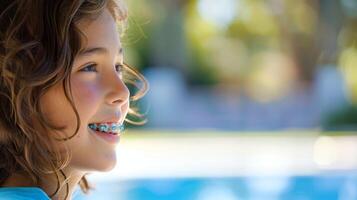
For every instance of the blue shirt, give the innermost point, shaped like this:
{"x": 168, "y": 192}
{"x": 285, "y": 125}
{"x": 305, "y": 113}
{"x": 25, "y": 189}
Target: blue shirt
{"x": 22, "y": 193}
{"x": 32, "y": 193}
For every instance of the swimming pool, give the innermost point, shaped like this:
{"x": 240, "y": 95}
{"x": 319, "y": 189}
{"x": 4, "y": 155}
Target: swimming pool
{"x": 321, "y": 187}
{"x": 231, "y": 167}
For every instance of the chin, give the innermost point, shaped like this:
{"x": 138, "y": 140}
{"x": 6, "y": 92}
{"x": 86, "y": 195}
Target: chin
{"x": 98, "y": 165}
{"x": 105, "y": 167}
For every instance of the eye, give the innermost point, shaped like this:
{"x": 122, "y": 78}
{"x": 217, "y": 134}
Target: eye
{"x": 93, "y": 68}
{"x": 119, "y": 68}
{"x": 89, "y": 68}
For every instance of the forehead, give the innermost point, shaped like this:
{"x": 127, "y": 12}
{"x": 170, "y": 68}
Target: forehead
{"x": 100, "y": 32}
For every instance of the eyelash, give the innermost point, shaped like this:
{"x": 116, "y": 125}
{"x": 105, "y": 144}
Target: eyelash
{"x": 120, "y": 66}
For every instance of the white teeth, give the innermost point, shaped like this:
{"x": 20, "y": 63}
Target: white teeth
{"x": 111, "y": 128}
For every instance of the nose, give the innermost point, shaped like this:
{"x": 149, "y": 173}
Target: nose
{"x": 118, "y": 93}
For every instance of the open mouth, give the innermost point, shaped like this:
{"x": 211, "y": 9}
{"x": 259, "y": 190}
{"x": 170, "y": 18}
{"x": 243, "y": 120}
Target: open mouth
{"x": 109, "y": 128}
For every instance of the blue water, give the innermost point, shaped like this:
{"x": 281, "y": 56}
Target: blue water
{"x": 323, "y": 187}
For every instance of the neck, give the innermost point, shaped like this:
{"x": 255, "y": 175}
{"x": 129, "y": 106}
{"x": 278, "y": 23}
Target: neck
{"x": 65, "y": 191}
{"x": 49, "y": 183}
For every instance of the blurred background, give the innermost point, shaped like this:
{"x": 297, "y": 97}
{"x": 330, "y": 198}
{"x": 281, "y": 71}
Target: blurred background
{"x": 248, "y": 100}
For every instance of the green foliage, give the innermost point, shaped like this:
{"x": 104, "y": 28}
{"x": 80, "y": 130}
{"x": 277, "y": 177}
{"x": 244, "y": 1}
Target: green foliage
{"x": 342, "y": 119}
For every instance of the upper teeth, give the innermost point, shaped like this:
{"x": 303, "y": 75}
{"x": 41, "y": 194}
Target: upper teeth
{"x": 107, "y": 127}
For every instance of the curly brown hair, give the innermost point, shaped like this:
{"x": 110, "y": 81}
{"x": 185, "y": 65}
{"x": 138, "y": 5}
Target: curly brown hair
{"x": 39, "y": 41}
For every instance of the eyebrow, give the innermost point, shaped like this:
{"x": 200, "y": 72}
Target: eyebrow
{"x": 99, "y": 50}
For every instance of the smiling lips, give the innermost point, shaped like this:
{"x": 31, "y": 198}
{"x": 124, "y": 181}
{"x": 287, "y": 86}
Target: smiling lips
{"x": 107, "y": 127}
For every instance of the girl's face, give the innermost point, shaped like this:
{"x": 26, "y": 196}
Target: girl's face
{"x": 99, "y": 95}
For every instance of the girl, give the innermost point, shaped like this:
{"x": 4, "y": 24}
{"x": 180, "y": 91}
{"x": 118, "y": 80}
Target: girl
{"x": 63, "y": 100}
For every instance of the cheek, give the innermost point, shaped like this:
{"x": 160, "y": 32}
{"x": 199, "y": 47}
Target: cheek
{"x": 57, "y": 109}
{"x": 54, "y": 106}
{"x": 87, "y": 98}
{"x": 85, "y": 95}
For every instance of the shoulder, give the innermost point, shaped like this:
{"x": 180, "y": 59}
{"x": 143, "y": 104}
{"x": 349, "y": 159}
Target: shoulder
{"x": 22, "y": 193}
